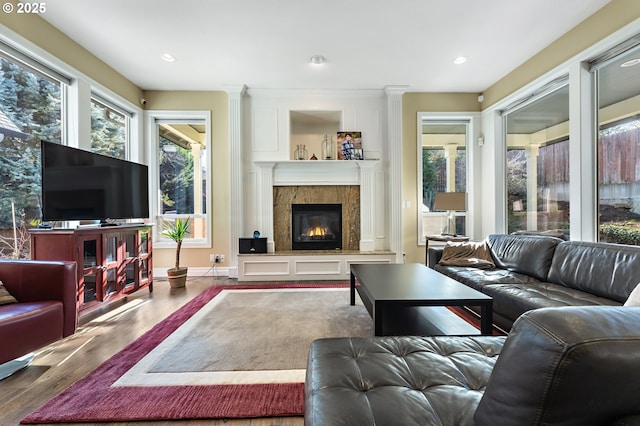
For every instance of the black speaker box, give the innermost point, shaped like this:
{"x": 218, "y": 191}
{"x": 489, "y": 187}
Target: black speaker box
{"x": 253, "y": 245}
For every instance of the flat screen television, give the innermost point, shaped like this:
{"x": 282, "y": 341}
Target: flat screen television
{"x": 82, "y": 185}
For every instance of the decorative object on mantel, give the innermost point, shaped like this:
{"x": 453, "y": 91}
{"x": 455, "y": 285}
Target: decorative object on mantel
{"x": 177, "y": 231}
{"x": 313, "y": 157}
{"x": 300, "y": 153}
{"x": 328, "y": 148}
{"x": 256, "y": 234}
{"x": 349, "y": 145}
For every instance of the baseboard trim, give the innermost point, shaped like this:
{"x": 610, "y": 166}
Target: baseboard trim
{"x": 195, "y": 272}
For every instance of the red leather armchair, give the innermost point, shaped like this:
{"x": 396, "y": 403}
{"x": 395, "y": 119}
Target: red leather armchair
{"x": 46, "y": 310}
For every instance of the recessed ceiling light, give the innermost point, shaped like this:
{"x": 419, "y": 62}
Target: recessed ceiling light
{"x": 168, "y": 57}
{"x": 317, "y": 60}
{"x": 630, "y": 63}
{"x": 460, "y": 60}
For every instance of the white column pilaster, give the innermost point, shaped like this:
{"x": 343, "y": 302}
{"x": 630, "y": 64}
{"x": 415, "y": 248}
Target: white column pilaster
{"x": 583, "y": 156}
{"x": 450, "y": 152}
{"x": 78, "y": 131}
{"x": 367, "y": 205}
{"x": 235, "y": 94}
{"x": 199, "y": 227}
{"x": 531, "y": 154}
{"x": 394, "y": 120}
{"x": 265, "y": 201}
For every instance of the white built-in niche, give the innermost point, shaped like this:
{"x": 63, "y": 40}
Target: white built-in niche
{"x": 309, "y": 129}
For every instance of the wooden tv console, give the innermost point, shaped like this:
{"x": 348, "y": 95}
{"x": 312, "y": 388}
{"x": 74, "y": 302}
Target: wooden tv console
{"x": 113, "y": 261}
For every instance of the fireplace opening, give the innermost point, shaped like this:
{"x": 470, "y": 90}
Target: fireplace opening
{"x": 316, "y": 226}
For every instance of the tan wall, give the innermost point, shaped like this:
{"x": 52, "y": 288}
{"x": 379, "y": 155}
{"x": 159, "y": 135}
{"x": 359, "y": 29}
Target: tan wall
{"x": 601, "y": 24}
{"x": 218, "y": 104}
{"x": 49, "y": 38}
{"x": 412, "y": 103}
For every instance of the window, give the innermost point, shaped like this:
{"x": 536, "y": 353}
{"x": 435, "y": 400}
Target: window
{"x": 442, "y": 168}
{"x": 109, "y": 129}
{"x": 31, "y": 106}
{"x": 538, "y": 162}
{"x": 618, "y": 94}
{"x": 183, "y": 182}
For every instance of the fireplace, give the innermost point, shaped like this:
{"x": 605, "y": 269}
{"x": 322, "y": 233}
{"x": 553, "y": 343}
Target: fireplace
{"x": 316, "y": 226}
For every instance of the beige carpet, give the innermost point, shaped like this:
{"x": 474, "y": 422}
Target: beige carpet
{"x": 250, "y": 336}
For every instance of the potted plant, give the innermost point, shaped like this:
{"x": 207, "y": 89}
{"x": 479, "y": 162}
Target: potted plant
{"x": 177, "y": 231}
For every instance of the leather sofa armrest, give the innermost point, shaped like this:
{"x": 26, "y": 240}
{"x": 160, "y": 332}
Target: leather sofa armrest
{"x": 555, "y": 359}
{"x": 33, "y": 281}
{"x": 434, "y": 255}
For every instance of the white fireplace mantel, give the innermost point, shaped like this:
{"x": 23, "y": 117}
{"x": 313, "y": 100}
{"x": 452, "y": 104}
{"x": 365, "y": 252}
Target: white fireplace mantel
{"x": 319, "y": 172}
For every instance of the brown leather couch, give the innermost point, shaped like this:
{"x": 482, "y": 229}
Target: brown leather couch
{"x": 534, "y": 271}
{"x": 46, "y": 310}
{"x": 558, "y": 366}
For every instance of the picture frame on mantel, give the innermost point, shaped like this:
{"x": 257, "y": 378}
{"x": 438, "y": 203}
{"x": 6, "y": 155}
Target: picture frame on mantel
{"x": 349, "y": 145}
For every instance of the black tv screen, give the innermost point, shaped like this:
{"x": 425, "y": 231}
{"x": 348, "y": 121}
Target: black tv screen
{"x": 82, "y": 185}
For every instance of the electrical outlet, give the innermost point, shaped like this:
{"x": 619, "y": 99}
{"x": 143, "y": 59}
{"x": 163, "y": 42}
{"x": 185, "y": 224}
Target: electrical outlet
{"x": 216, "y": 258}
{"x": 212, "y": 258}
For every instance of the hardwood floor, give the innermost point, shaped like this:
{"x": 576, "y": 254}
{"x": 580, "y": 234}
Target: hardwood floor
{"x": 59, "y": 365}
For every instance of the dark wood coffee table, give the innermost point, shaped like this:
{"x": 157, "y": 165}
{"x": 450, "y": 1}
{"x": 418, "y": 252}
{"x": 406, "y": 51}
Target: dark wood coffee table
{"x": 410, "y": 299}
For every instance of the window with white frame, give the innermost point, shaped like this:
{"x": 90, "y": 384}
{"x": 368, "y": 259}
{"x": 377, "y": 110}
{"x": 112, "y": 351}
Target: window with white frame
{"x": 109, "y": 129}
{"x": 32, "y": 102}
{"x": 537, "y": 161}
{"x": 618, "y": 144}
{"x": 442, "y": 167}
{"x": 182, "y": 162}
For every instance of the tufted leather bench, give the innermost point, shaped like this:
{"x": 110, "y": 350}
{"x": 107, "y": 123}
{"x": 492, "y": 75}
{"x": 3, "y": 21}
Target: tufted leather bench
{"x": 562, "y": 366}
{"x": 398, "y": 380}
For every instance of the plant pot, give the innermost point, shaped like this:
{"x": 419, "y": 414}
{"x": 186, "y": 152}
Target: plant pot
{"x": 177, "y": 277}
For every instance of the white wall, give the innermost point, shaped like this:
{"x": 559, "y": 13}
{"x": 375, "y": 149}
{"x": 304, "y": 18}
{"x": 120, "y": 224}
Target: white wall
{"x": 267, "y": 137}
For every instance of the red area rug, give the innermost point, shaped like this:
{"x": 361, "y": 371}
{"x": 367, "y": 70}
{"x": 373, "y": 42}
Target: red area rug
{"x": 91, "y": 399}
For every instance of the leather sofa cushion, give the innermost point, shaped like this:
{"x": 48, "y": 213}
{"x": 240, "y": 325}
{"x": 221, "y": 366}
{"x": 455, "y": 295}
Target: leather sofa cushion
{"x": 558, "y": 233}
{"x": 566, "y": 366}
{"x": 512, "y": 300}
{"x": 604, "y": 269}
{"x": 398, "y": 380}
{"x": 29, "y": 326}
{"x": 527, "y": 254}
{"x": 478, "y": 278}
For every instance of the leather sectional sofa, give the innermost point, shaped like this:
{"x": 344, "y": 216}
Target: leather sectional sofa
{"x": 533, "y": 271}
{"x": 572, "y": 355}
{"x": 46, "y": 308}
{"x": 557, "y": 366}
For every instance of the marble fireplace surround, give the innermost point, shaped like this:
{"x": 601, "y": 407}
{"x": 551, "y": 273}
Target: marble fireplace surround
{"x": 346, "y": 195}
{"x": 350, "y": 183}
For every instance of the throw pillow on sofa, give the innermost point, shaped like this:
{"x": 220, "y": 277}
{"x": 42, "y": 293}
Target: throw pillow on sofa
{"x": 474, "y": 254}
{"x": 5, "y": 296}
{"x": 634, "y": 297}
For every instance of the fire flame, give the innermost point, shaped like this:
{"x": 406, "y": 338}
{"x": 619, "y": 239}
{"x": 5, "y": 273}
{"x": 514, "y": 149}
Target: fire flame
{"x": 316, "y": 232}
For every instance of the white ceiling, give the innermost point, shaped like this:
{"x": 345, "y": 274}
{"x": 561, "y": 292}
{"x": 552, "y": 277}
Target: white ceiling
{"x": 368, "y": 44}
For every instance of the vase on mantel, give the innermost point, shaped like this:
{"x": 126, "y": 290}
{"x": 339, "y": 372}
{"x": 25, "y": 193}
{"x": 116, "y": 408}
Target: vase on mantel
{"x": 300, "y": 153}
{"x": 328, "y": 148}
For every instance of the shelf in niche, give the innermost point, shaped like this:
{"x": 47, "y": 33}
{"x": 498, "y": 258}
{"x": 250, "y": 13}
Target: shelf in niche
{"x": 308, "y": 128}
